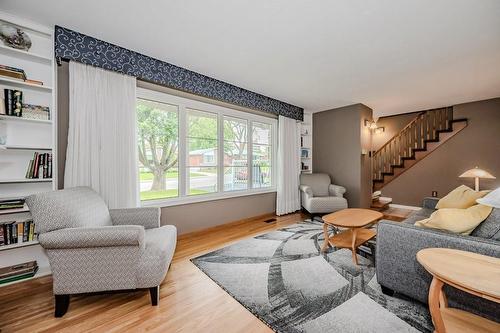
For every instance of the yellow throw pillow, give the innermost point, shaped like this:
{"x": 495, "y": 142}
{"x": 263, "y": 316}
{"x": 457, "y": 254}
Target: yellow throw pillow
{"x": 461, "y": 197}
{"x": 456, "y": 220}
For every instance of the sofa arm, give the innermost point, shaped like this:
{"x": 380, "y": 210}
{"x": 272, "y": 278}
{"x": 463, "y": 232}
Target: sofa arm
{"x": 148, "y": 217}
{"x": 336, "y": 190}
{"x": 306, "y": 189}
{"x": 430, "y": 202}
{"x": 70, "y": 238}
{"x": 398, "y": 269}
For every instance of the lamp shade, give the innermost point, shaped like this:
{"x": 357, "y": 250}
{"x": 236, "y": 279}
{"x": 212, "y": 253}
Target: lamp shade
{"x": 492, "y": 199}
{"x": 476, "y": 172}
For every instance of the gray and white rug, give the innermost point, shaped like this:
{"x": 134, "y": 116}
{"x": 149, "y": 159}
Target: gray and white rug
{"x": 283, "y": 279}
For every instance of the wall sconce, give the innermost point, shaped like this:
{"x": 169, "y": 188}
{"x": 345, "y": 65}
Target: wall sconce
{"x": 372, "y": 125}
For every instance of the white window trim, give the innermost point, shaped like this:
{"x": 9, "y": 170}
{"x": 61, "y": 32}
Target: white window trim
{"x": 221, "y": 111}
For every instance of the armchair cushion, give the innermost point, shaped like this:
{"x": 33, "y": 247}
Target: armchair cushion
{"x": 69, "y": 208}
{"x": 71, "y": 238}
{"x": 318, "y": 182}
{"x": 148, "y": 217}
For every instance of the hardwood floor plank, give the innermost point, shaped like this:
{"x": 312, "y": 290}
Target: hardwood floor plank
{"x": 189, "y": 300}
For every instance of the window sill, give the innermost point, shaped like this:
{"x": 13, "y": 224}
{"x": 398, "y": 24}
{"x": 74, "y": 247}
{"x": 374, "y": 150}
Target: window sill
{"x": 204, "y": 198}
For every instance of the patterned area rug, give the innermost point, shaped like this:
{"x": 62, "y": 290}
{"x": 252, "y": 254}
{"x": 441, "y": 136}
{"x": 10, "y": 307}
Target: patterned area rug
{"x": 283, "y": 279}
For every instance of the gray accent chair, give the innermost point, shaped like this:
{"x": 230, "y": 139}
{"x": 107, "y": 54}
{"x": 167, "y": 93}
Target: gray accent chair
{"x": 399, "y": 271}
{"x": 93, "y": 249}
{"x": 319, "y": 195}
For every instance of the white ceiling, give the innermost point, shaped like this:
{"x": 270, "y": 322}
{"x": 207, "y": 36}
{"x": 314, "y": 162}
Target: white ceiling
{"x": 394, "y": 56}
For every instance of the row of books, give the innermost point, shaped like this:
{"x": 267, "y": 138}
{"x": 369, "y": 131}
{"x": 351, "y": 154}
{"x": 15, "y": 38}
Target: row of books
{"x": 18, "y": 272}
{"x": 17, "y": 232}
{"x": 11, "y": 203}
{"x": 40, "y": 166}
{"x": 14, "y": 106}
{"x": 18, "y": 74}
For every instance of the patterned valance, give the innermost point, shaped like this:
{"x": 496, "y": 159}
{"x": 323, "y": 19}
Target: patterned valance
{"x": 72, "y": 45}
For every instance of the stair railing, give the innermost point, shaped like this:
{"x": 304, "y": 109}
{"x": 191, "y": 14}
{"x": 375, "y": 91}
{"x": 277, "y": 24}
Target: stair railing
{"x": 413, "y": 137}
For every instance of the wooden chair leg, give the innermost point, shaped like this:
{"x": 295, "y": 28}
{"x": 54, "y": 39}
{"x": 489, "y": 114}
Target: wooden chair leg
{"x": 62, "y": 304}
{"x": 155, "y": 295}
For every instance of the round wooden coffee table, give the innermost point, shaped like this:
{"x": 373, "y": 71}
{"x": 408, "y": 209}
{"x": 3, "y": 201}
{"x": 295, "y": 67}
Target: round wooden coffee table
{"x": 473, "y": 273}
{"x": 356, "y": 220}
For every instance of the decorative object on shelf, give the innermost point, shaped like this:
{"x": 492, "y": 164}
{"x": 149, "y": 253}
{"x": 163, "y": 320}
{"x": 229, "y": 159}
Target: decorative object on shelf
{"x": 39, "y": 112}
{"x": 304, "y": 153}
{"x": 12, "y": 72}
{"x": 14, "y": 37}
{"x": 18, "y": 272}
{"x": 13, "y": 101}
{"x": 477, "y": 173}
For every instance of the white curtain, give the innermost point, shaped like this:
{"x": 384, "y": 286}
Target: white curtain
{"x": 102, "y": 138}
{"x": 288, "y": 199}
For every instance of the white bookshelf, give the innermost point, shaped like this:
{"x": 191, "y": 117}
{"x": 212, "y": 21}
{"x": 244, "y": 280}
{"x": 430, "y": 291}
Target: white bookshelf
{"x": 26, "y": 136}
{"x": 306, "y": 143}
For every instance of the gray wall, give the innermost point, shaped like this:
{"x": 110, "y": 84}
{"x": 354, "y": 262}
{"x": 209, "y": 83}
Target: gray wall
{"x": 477, "y": 145}
{"x": 186, "y": 218}
{"x": 339, "y": 136}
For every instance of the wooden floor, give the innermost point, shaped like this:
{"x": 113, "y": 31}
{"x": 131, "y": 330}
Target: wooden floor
{"x": 189, "y": 300}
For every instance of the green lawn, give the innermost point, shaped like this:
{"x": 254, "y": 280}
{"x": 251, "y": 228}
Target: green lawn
{"x": 152, "y": 195}
{"x": 171, "y": 174}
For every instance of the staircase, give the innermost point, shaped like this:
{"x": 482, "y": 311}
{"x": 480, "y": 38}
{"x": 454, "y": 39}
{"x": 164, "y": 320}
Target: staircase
{"x": 425, "y": 133}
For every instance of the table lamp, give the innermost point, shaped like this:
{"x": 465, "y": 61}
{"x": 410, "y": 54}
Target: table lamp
{"x": 477, "y": 173}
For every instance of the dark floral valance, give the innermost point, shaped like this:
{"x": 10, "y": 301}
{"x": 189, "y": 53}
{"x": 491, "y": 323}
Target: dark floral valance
{"x": 72, "y": 45}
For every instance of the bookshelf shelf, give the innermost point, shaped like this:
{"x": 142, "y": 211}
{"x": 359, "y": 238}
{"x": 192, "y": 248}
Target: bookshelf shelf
{"x": 24, "y": 54}
{"x": 18, "y": 245}
{"x": 20, "y": 147}
{"x": 22, "y": 84}
{"x": 28, "y": 120}
{"x": 25, "y": 180}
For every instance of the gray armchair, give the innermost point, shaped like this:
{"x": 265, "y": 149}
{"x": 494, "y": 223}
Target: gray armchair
{"x": 319, "y": 196}
{"x": 92, "y": 249}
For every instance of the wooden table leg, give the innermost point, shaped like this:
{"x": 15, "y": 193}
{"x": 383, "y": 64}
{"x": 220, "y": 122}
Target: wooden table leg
{"x": 326, "y": 243}
{"x": 353, "y": 246}
{"x": 435, "y": 293}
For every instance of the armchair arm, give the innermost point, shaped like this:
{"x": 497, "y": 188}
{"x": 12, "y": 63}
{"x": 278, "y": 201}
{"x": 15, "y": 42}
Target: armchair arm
{"x": 69, "y": 238}
{"x": 336, "y": 190}
{"x": 148, "y": 217}
{"x": 306, "y": 189}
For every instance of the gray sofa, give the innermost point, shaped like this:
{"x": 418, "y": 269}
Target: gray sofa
{"x": 397, "y": 267}
{"x": 93, "y": 249}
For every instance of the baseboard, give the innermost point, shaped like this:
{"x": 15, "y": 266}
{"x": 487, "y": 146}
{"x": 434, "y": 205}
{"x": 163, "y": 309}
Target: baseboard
{"x": 404, "y": 207}
{"x": 225, "y": 225}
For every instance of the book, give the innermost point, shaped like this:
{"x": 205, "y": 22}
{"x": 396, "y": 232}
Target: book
{"x": 13, "y": 102}
{"x": 40, "y": 83}
{"x": 20, "y": 232}
{"x": 17, "y": 272}
{"x": 12, "y": 72}
{"x": 26, "y": 231}
{"x": 31, "y": 235}
{"x": 2, "y": 236}
{"x": 40, "y": 166}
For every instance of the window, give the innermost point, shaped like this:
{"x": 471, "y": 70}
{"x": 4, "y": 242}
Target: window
{"x": 192, "y": 151}
{"x": 158, "y": 141}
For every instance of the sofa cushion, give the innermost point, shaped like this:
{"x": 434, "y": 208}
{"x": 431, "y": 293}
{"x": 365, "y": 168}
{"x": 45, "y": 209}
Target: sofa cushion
{"x": 461, "y": 197}
{"x": 419, "y": 215}
{"x": 456, "y": 220}
{"x": 489, "y": 228}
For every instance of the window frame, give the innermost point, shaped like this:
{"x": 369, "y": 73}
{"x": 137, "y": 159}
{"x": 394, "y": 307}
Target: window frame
{"x": 185, "y": 103}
